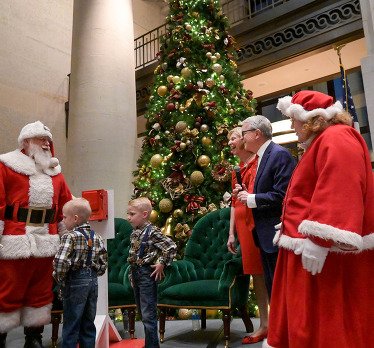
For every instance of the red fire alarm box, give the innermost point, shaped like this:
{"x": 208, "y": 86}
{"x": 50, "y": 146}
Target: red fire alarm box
{"x": 99, "y": 203}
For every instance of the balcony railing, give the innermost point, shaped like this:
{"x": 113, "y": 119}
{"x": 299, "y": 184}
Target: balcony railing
{"x": 147, "y": 45}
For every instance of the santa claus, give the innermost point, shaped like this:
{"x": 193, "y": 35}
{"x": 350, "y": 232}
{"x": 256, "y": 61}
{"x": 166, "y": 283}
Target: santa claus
{"x": 323, "y": 285}
{"x": 32, "y": 194}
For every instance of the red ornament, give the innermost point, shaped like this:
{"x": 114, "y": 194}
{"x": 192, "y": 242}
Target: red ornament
{"x": 170, "y": 107}
{"x": 197, "y": 124}
{"x": 171, "y": 85}
{"x": 190, "y": 85}
{"x": 161, "y": 71}
{"x": 198, "y": 119}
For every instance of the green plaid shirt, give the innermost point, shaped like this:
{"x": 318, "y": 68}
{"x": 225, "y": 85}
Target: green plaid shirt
{"x": 73, "y": 253}
{"x": 156, "y": 242}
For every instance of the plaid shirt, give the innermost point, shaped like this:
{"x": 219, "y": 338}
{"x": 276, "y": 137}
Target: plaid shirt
{"x": 155, "y": 243}
{"x": 73, "y": 253}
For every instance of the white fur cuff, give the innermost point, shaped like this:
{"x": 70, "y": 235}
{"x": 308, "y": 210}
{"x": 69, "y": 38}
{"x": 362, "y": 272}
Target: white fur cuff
{"x": 346, "y": 240}
{"x": 31, "y": 316}
{"x": 9, "y": 321}
{"x": 266, "y": 345}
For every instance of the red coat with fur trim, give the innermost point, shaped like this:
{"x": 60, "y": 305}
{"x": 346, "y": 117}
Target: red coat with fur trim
{"x": 21, "y": 183}
{"x": 330, "y": 198}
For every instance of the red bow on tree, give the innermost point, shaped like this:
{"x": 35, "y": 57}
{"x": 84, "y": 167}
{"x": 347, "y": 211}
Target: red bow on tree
{"x": 178, "y": 175}
{"x": 193, "y": 203}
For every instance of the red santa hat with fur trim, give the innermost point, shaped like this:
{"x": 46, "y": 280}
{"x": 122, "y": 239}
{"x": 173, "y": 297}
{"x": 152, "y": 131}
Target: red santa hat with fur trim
{"x": 38, "y": 129}
{"x": 306, "y": 104}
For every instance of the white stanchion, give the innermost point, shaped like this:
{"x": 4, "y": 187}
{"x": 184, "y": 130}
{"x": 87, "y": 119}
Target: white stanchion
{"x": 105, "y": 329}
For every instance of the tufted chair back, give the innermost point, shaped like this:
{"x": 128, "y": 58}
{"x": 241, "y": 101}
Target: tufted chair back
{"x": 207, "y": 247}
{"x": 120, "y": 293}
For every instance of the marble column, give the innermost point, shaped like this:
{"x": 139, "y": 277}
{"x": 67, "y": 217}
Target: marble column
{"x": 102, "y": 118}
{"x": 367, "y": 63}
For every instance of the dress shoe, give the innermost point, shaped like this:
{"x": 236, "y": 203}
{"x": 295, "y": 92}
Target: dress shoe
{"x": 254, "y": 339}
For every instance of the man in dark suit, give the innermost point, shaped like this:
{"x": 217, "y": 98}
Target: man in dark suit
{"x": 274, "y": 170}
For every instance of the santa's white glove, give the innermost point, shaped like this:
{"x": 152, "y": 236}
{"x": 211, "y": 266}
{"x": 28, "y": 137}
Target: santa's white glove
{"x": 278, "y": 227}
{"x": 313, "y": 257}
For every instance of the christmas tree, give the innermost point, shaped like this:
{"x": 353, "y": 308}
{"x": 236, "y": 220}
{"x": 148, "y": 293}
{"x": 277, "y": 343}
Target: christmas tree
{"x": 185, "y": 167}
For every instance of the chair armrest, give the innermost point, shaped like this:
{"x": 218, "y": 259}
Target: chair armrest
{"x": 231, "y": 269}
{"x": 178, "y": 272}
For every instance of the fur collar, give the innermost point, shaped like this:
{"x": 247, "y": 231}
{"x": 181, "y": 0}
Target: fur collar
{"x": 22, "y": 164}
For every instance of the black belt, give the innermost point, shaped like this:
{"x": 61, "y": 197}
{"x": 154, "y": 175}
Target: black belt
{"x": 33, "y": 216}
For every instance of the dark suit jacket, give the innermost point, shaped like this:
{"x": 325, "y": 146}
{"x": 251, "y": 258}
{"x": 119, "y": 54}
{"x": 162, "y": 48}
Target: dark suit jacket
{"x": 272, "y": 178}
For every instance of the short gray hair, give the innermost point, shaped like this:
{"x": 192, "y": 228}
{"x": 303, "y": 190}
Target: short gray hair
{"x": 260, "y": 122}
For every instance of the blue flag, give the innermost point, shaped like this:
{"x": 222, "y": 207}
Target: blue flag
{"x": 348, "y": 103}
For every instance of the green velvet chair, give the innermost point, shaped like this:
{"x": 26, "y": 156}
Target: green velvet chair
{"x": 120, "y": 292}
{"x": 209, "y": 276}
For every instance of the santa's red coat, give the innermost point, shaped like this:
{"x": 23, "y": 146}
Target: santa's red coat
{"x": 21, "y": 184}
{"x": 330, "y": 199}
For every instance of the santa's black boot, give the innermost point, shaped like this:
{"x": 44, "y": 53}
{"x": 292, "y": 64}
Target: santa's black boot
{"x": 2, "y": 340}
{"x": 33, "y": 337}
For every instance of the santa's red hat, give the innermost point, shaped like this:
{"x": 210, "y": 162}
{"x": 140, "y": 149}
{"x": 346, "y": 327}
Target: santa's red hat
{"x": 306, "y": 104}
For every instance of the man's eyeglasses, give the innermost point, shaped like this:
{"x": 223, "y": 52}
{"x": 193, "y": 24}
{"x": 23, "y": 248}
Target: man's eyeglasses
{"x": 248, "y": 130}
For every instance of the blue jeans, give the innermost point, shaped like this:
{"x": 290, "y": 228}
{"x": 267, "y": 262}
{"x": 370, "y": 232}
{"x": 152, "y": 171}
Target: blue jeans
{"x": 80, "y": 301}
{"x": 145, "y": 292}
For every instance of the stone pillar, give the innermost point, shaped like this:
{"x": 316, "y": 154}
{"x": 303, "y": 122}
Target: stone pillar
{"x": 102, "y": 119}
{"x": 367, "y": 63}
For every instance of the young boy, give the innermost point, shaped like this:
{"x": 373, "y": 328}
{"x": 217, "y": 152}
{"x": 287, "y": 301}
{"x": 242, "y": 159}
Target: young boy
{"x": 146, "y": 268}
{"x": 80, "y": 260}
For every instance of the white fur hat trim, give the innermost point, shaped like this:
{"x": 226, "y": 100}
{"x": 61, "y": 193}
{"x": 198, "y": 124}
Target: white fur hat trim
{"x": 297, "y": 112}
{"x": 32, "y": 130}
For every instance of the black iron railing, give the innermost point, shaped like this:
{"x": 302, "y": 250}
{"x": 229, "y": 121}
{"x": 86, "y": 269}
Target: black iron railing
{"x": 147, "y": 45}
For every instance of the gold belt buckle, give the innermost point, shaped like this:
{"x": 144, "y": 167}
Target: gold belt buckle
{"x": 28, "y": 223}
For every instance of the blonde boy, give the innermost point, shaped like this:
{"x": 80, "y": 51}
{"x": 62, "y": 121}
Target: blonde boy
{"x": 80, "y": 260}
{"x": 150, "y": 251}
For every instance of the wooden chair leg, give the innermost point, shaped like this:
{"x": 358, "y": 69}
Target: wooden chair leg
{"x": 226, "y": 317}
{"x": 56, "y": 320}
{"x": 246, "y": 319}
{"x": 162, "y": 315}
{"x": 131, "y": 311}
{"x": 203, "y": 318}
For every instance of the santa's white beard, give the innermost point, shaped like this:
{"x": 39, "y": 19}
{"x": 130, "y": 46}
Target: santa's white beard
{"x": 42, "y": 157}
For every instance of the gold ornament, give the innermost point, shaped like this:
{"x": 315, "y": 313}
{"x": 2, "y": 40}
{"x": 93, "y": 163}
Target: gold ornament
{"x": 162, "y": 91}
{"x": 206, "y": 141}
{"x": 167, "y": 230}
{"x": 209, "y": 82}
{"x": 184, "y": 313}
{"x": 176, "y": 79}
{"x": 203, "y": 161}
{"x": 182, "y": 146}
{"x": 217, "y": 68}
{"x": 169, "y": 78}
{"x": 204, "y": 128}
{"x": 165, "y": 205}
{"x": 197, "y": 177}
{"x": 156, "y": 70}
{"x": 181, "y": 108}
{"x": 233, "y": 63}
{"x": 222, "y": 78}
{"x": 153, "y": 217}
{"x": 180, "y": 126}
{"x": 156, "y": 161}
{"x": 213, "y": 58}
{"x": 181, "y": 231}
{"x": 188, "y": 27}
{"x": 231, "y": 111}
{"x": 177, "y": 213}
{"x": 186, "y": 72}
{"x": 209, "y": 54}
{"x": 166, "y": 158}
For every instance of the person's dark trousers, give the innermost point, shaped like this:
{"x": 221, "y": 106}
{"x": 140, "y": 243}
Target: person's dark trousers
{"x": 80, "y": 301}
{"x": 145, "y": 292}
{"x": 2, "y": 339}
{"x": 269, "y": 262}
{"x": 33, "y": 337}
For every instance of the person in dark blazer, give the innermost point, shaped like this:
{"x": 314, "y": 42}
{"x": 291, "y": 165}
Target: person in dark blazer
{"x": 274, "y": 170}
